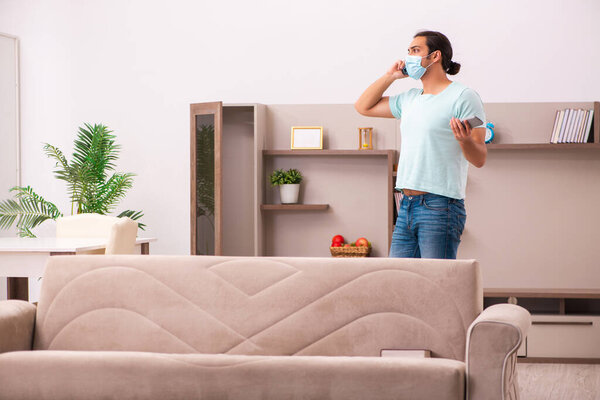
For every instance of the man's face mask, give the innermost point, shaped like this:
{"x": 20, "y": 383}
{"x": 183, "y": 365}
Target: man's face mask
{"x": 413, "y": 67}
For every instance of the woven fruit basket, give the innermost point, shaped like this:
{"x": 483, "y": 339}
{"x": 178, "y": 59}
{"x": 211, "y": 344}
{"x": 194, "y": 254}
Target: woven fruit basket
{"x": 351, "y": 251}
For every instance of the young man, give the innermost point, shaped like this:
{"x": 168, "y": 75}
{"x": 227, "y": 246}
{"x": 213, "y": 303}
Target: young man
{"x": 436, "y": 146}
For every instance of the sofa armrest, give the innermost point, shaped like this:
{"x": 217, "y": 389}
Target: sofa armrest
{"x": 492, "y": 343}
{"x": 17, "y": 319}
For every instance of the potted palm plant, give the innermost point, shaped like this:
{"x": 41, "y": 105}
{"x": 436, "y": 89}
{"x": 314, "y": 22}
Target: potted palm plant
{"x": 90, "y": 187}
{"x": 289, "y": 184}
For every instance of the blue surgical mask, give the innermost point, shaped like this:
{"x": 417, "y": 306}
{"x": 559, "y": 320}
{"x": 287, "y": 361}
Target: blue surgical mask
{"x": 413, "y": 66}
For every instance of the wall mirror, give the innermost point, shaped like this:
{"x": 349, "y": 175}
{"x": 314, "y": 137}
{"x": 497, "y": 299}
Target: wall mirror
{"x": 10, "y": 158}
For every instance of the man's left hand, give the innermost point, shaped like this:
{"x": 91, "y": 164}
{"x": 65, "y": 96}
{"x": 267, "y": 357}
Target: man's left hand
{"x": 462, "y": 133}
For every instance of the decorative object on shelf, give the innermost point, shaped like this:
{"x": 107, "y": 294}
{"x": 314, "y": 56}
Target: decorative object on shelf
{"x": 89, "y": 186}
{"x": 365, "y": 138}
{"x": 351, "y": 251}
{"x": 307, "y": 137}
{"x": 359, "y": 248}
{"x": 289, "y": 184}
{"x": 489, "y": 132}
{"x": 572, "y": 126}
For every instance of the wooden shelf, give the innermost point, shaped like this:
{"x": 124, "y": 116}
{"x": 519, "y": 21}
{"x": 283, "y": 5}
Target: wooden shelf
{"x": 543, "y": 293}
{"x": 540, "y": 146}
{"x": 328, "y": 152}
{"x": 555, "y": 312}
{"x": 298, "y": 207}
{"x": 562, "y": 302}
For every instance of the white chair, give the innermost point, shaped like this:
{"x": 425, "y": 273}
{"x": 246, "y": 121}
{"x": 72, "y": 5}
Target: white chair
{"x": 121, "y": 239}
{"x": 120, "y": 233}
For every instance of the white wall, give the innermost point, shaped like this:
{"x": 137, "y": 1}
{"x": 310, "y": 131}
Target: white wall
{"x": 137, "y": 65}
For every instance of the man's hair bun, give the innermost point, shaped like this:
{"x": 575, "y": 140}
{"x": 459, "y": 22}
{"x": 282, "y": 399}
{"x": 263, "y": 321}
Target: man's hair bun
{"x": 453, "y": 68}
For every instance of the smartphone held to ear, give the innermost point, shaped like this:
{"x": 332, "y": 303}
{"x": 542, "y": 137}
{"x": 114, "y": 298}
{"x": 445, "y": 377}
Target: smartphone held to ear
{"x": 472, "y": 121}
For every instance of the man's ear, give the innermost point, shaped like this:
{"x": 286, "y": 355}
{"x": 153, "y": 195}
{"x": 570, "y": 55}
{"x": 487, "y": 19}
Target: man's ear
{"x": 433, "y": 56}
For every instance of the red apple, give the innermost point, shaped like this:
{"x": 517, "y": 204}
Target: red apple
{"x": 338, "y": 238}
{"x": 362, "y": 242}
{"x": 336, "y": 244}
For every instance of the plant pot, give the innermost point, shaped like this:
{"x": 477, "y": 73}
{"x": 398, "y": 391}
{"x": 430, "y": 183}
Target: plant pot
{"x": 288, "y": 193}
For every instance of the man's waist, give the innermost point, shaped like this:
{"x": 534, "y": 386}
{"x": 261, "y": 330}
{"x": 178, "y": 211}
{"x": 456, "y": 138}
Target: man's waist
{"x": 410, "y": 192}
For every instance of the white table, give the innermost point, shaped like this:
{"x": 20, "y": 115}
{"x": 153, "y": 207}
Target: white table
{"x": 26, "y": 257}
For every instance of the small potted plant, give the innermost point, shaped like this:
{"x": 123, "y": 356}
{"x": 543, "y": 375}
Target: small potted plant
{"x": 289, "y": 184}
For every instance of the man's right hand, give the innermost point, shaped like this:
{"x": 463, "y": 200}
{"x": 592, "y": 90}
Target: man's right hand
{"x": 372, "y": 103}
{"x": 396, "y": 70}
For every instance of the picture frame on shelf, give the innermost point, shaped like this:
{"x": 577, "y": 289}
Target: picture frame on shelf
{"x": 307, "y": 137}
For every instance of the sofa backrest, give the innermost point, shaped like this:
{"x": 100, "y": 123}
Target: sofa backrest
{"x": 257, "y": 305}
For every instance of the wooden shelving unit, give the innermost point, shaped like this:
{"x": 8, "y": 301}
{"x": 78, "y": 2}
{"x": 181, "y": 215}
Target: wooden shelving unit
{"x": 254, "y": 141}
{"x": 295, "y": 207}
{"x": 328, "y": 152}
{"x": 389, "y": 155}
{"x": 543, "y": 293}
{"x": 566, "y": 318}
{"x": 542, "y": 146}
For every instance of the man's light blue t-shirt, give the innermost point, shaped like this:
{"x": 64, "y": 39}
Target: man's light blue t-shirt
{"x": 431, "y": 159}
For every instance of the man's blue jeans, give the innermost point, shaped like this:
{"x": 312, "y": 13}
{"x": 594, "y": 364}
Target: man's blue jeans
{"x": 428, "y": 226}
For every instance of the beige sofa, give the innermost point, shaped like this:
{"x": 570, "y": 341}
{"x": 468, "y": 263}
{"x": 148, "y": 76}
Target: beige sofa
{"x": 209, "y": 327}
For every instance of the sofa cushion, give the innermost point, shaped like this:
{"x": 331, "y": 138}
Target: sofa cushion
{"x": 257, "y": 305}
{"x": 137, "y": 375}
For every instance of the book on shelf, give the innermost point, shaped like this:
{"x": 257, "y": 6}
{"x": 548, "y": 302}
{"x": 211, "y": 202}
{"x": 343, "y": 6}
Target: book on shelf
{"x": 572, "y": 126}
{"x": 568, "y": 122}
{"x": 578, "y": 122}
{"x": 563, "y": 126}
{"x": 588, "y": 126}
{"x": 556, "y": 119}
{"x": 582, "y": 123}
{"x": 560, "y": 115}
{"x": 397, "y": 200}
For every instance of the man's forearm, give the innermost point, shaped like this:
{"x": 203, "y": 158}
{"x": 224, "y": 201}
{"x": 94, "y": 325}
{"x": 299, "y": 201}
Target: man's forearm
{"x": 374, "y": 92}
{"x": 474, "y": 152}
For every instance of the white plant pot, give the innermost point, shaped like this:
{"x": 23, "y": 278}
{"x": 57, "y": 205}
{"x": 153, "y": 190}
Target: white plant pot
{"x": 288, "y": 192}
